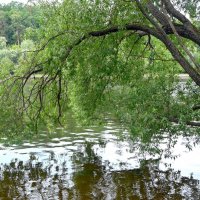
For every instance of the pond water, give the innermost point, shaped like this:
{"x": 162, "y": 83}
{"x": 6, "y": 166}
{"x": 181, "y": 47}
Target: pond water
{"x": 99, "y": 163}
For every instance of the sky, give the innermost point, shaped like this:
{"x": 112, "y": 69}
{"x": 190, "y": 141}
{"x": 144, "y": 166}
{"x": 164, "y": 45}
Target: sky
{"x": 8, "y": 1}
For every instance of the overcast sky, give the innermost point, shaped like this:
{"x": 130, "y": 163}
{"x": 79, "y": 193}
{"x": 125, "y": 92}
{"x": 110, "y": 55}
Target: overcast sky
{"x": 8, "y": 1}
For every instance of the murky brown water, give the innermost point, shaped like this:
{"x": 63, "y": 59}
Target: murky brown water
{"x": 98, "y": 164}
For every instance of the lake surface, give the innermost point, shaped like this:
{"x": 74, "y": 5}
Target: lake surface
{"x": 99, "y": 163}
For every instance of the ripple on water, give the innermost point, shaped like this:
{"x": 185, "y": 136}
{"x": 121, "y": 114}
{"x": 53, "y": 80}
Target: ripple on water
{"x": 29, "y": 144}
{"x": 89, "y": 130}
{"x": 56, "y": 144}
{"x": 90, "y": 165}
{"x": 55, "y": 139}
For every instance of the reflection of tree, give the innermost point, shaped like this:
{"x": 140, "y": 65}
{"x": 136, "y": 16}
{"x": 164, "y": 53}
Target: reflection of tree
{"x": 151, "y": 183}
{"x": 88, "y": 182}
{"x": 33, "y": 180}
{"x": 17, "y": 179}
{"x": 88, "y": 179}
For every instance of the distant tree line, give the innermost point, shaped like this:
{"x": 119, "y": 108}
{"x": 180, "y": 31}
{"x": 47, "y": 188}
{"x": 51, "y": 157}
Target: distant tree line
{"x": 18, "y": 21}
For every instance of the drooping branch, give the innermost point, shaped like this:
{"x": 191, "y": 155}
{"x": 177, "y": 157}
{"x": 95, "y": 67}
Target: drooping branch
{"x": 174, "y": 12}
{"x": 179, "y": 39}
{"x": 134, "y": 27}
{"x": 182, "y": 18}
{"x": 189, "y": 123}
{"x": 157, "y": 14}
{"x": 29, "y": 74}
{"x": 189, "y": 32}
{"x": 196, "y": 107}
{"x": 183, "y": 32}
{"x": 149, "y": 31}
{"x": 59, "y": 96}
{"x": 193, "y": 73}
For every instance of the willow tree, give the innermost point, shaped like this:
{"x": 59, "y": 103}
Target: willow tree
{"x": 124, "y": 56}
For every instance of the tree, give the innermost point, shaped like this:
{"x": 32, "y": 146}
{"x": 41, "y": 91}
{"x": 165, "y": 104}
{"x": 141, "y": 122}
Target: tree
{"x": 15, "y": 18}
{"x": 120, "y": 53}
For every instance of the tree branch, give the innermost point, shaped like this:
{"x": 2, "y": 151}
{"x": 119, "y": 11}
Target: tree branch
{"x": 189, "y": 123}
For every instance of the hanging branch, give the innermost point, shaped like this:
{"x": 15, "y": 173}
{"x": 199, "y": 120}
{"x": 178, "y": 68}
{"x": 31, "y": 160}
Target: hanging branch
{"x": 59, "y": 96}
{"x": 180, "y": 39}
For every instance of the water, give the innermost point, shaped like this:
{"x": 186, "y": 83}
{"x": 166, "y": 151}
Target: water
{"x": 98, "y": 163}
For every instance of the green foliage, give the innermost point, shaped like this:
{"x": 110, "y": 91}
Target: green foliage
{"x": 135, "y": 78}
{"x": 15, "y": 18}
{"x": 2, "y": 42}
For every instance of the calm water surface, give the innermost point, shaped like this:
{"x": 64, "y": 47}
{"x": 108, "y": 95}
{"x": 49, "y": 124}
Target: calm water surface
{"x": 98, "y": 163}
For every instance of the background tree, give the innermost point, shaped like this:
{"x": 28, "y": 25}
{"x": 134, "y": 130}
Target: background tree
{"x": 15, "y": 18}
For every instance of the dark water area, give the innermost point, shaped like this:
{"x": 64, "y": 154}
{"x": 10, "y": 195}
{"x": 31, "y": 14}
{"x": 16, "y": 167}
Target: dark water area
{"x": 99, "y": 163}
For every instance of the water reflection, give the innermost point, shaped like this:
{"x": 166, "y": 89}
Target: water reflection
{"x": 96, "y": 164}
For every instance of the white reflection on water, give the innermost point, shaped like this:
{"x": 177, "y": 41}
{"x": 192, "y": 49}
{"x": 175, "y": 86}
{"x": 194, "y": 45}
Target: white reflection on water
{"x": 115, "y": 154}
{"x": 187, "y": 160}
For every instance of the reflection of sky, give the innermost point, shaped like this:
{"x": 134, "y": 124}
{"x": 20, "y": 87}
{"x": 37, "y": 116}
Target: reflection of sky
{"x": 188, "y": 162}
{"x": 116, "y": 155}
